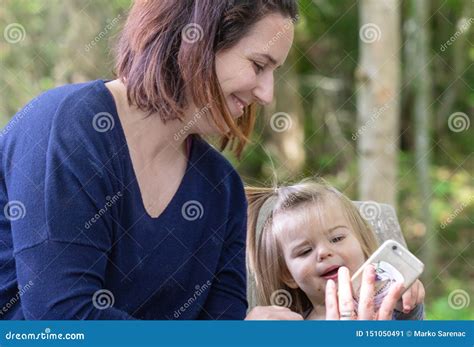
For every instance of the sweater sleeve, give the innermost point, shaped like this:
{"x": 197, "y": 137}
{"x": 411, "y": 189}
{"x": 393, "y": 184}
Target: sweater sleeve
{"x": 227, "y": 298}
{"x": 69, "y": 204}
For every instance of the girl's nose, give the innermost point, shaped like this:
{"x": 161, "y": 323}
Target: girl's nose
{"x": 324, "y": 251}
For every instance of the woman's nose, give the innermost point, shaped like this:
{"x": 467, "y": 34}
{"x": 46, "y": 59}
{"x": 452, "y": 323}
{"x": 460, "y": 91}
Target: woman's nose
{"x": 264, "y": 90}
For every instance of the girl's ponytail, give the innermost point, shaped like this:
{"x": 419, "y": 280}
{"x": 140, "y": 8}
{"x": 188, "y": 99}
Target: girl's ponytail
{"x": 256, "y": 198}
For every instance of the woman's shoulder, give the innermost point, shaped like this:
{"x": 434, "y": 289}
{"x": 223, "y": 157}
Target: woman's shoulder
{"x": 68, "y": 108}
{"x": 85, "y": 105}
{"x": 74, "y": 119}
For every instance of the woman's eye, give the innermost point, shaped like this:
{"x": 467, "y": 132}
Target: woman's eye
{"x": 337, "y": 239}
{"x": 258, "y": 67}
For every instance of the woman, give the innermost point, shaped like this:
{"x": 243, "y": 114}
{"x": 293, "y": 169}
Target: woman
{"x": 114, "y": 207}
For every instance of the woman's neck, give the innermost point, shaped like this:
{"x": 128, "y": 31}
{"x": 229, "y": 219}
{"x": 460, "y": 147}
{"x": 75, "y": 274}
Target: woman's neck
{"x": 149, "y": 136}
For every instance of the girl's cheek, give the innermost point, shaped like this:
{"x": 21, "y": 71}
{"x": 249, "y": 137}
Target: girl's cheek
{"x": 306, "y": 270}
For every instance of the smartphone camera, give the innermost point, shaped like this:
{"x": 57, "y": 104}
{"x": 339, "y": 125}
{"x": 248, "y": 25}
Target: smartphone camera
{"x": 395, "y": 249}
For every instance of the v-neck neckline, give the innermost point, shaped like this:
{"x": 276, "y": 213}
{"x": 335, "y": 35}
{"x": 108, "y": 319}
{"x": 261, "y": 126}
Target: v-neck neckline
{"x": 135, "y": 183}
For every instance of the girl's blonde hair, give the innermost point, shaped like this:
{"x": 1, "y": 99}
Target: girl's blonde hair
{"x": 265, "y": 258}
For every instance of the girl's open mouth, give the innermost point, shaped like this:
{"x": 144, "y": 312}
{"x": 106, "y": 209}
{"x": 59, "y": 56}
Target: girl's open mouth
{"x": 331, "y": 274}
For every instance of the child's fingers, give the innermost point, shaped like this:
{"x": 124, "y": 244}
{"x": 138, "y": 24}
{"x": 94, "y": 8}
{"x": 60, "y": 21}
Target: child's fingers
{"x": 272, "y": 313}
{"x": 389, "y": 302}
{"x": 284, "y": 315}
{"x": 332, "y": 312}
{"x": 289, "y": 316}
{"x": 421, "y": 294}
{"x": 367, "y": 290}
{"x": 409, "y": 298}
{"x": 345, "y": 300}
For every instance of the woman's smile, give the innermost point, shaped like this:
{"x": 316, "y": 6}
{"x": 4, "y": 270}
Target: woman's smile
{"x": 238, "y": 103}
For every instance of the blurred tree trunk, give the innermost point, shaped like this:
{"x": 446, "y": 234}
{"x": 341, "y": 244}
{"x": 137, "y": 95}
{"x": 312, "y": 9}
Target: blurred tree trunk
{"x": 459, "y": 54}
{"x": 422, "y": 110}
{"x": 285, "y": 135}
{"x": 378, "y": 100}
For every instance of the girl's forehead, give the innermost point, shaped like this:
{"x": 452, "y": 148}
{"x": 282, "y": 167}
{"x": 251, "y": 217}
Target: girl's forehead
{"x": 311, "y": 219}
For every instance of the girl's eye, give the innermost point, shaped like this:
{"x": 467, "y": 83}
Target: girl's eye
{"x": 258, "y": 67}
{"x": 305, "y": 252}
{"x": 337, "y": 239}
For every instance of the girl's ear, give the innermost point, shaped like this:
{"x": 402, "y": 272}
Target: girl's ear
{"x": 289, "y": 280}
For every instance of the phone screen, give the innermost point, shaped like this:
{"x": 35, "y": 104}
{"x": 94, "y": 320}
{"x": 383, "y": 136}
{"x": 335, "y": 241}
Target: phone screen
{"x": 385, "y": 275}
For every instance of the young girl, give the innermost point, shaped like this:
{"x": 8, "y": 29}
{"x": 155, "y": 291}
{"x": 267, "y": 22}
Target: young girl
{"x": 300, "y": 238}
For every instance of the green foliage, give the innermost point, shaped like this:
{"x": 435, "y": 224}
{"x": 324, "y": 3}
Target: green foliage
{"x": 454, "y": 303}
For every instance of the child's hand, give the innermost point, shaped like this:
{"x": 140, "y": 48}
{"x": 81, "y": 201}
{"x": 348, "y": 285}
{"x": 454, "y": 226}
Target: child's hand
{"x": 413, "y": 296}
{"x": 340, "y": 304}
{"x": 272, "y": 313}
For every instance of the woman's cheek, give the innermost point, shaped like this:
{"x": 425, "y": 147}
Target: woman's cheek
{"x": 246, "y": 80}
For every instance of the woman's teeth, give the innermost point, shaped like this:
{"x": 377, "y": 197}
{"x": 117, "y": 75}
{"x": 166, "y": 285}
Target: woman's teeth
{"x": 239, "y": 104}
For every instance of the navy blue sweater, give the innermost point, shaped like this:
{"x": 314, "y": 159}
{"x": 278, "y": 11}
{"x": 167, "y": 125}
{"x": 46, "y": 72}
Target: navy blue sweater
{"x": 75, "y": 239}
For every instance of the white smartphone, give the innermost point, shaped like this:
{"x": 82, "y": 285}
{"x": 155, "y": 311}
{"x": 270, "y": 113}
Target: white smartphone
{"x": 392, "y": 263}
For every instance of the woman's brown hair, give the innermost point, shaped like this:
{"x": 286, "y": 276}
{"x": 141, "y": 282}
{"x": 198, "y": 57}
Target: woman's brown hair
{"x": 156, "y": 63}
